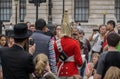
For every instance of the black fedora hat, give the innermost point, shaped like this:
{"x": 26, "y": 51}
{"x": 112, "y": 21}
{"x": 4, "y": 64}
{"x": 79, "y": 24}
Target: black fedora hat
{"x": 21, "y": 31}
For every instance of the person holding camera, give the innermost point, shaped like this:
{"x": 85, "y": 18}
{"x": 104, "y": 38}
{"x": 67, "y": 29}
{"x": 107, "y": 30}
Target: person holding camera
{"x": 98, "y": 40}
{"x": 95, "y": 33}
{"x": 17, "y": 63}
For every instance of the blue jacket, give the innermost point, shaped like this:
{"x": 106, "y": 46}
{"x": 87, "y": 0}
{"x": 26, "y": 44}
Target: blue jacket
{"x": 42, "y": 42}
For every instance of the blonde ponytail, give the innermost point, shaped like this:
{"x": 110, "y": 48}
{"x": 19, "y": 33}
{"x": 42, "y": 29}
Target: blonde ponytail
{"x": 41, "y": 63}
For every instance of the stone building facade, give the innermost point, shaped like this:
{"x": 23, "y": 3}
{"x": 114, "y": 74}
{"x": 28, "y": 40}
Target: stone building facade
{"x": 95, "y": 12}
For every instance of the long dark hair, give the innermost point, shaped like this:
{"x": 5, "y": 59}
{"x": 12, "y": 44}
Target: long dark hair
{"x": 6, "y": 44}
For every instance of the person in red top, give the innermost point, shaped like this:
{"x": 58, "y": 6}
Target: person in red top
{"x": 68, "y": 69}
{"x": 110, "y": 29}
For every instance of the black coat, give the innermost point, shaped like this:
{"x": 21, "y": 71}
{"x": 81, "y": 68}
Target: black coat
{"x": 16, "y": 63}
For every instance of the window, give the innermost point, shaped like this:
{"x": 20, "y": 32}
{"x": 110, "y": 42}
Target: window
{"x": 5, "y": 10}
{"x": 117, "y": 10}
{"x": 81, "y": 11}
{"x": 22, "y": 10}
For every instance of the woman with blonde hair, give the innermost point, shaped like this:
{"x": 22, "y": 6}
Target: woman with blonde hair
{"x": 112, "y": 73}
{"x": 42, "y": 69}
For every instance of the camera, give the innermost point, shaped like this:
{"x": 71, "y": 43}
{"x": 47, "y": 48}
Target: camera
{"x": 31, "y": 42}
{"x": 82, "y": 45}
{"x": 95, "y": 29}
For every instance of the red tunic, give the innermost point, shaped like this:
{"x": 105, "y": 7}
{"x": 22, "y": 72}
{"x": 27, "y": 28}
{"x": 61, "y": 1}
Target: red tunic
{"x": 105, "y": 39}
{"x": 72, "y": 48}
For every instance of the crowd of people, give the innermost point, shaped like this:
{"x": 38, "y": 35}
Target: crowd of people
{"x": 64, "y": 53}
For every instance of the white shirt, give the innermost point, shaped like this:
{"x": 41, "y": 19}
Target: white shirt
{"x": 10, "y": 27}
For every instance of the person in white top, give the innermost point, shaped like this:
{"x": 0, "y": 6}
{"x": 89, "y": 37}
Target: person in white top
{"x": 98, "y": 40}
{"x": 11, "y": 26}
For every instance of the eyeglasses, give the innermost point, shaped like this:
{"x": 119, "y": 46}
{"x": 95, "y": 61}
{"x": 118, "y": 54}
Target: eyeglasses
{"x": 74, "y": 34}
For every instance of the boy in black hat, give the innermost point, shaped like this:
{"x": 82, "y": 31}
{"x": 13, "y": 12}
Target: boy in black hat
{"x": 16, "y": 62}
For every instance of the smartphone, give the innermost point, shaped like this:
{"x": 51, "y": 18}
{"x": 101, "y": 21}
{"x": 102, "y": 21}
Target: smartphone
{"x": 31, "y": 42}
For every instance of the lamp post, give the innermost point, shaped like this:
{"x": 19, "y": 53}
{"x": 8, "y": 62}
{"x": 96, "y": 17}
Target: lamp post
{"x": 50, "y": 15}
{"x": 16, "y": 7}
{"x": 1, "y": 25}
{"x": 37, "y": 4}
{"x": 63, "y": 6}
{"x": 104, "y": 17}
{"x": 63, "y": 10}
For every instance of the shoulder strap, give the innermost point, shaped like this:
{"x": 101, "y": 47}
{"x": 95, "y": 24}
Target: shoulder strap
{"x": 59, "y": 47}
{"x": 96, "y": 39}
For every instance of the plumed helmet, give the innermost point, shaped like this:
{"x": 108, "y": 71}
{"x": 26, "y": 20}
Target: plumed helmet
{"x": 66, "y": 28}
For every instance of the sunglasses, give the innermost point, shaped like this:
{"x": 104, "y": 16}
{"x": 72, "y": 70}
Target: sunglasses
{"x": 74, "y": 34}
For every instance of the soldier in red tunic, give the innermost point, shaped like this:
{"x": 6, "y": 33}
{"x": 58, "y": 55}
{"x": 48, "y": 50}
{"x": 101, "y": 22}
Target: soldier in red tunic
{"x": 68, "y": 69}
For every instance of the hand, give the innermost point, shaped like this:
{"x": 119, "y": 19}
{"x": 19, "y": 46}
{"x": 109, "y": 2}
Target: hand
{"x": 105, "y": 48}
{"x": 94, "y": 32}
{"x": 32, "y": 49}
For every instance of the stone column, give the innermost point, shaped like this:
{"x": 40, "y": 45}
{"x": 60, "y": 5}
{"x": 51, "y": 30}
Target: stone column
{"x": 97, "y": 10}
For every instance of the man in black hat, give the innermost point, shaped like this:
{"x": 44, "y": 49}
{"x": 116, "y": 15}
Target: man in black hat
{"x": 16, "y": 62}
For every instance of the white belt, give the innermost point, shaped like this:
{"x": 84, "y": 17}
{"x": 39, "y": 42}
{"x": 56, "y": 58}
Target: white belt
{"x": 70, "y": 59}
